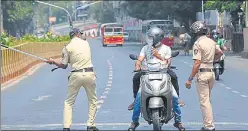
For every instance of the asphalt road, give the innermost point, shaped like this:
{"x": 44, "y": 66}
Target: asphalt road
{"x": 37, "y": 102}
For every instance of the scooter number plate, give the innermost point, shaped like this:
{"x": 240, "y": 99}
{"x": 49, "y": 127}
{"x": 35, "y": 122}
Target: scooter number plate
{"x": 155, "y": 76}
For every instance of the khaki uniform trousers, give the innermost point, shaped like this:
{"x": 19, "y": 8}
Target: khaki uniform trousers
{"x": 76, "y": 81}
{"x": 204, "y": 84}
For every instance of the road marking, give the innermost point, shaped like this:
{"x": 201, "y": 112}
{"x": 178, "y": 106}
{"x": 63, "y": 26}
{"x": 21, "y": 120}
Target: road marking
{"x": 118, "y": 124}
{"x": 243, "y": 95}
{"x": 235, "y": 92}
{"x": 103, "y": 97}
{"x": 221, "y": 84}
{"x": 108, "y": 87}
{"x": 228, "y": 88}
{"x": 41, "y": 98}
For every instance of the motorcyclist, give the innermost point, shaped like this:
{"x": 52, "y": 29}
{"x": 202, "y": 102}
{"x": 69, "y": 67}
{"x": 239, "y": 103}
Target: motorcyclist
{"x": 161, "y": 53}
{"x": 220, "y": 41}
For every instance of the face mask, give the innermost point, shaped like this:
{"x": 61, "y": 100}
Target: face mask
{"x": 149, "y": 41}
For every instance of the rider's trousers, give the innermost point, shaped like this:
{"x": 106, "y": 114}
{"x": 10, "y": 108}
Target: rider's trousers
{"x": 176, "y": 107}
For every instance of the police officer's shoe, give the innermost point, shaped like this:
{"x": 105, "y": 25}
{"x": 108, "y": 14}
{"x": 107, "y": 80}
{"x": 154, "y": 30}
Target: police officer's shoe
{"x": 66, "y": 129}
{"x": 92, "y": 128}
{"x": 179, "y": 126}
{"x": 204, "y": 129}
{"x": 133, "y": 126}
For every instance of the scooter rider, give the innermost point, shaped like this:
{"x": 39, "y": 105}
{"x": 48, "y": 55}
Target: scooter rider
{"x": 161, "y": 53}
{"x": 136, "y": 83}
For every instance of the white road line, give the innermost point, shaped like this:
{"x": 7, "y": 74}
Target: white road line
{"x": 100, "y": 101}
{"x": 110, "y": 75}
{"x": 41, "y": 98}
{"x": 228, "y": 88}
{"x": 108, "y": 85}
{"x": 243, "y": 95}
{"x": 235, "y": 92}
{"x": 222, "y": 84}
{"x": 105, "y": 92}
{"x": 107, "y": 88}
{"x": 109, "y": 82}
{"x": 117, "y": 124}
{"x": 103, "y": 97}
{"x": 110, "y": 78}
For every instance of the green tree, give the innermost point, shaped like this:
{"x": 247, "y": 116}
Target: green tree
{"x": 17, "y": 16}
{"x": 180, "y": 10}
{"x": 222, "y": 5}
{"x": 102, "y": 12}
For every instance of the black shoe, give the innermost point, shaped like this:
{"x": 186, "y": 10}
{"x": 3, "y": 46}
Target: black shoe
{"x": 204, "y": 129}
{"x": 179, "y": 126}
{"x": 66, "y": 129}
{"x": 92, "y": 128}
{"x": 133, "y": 126}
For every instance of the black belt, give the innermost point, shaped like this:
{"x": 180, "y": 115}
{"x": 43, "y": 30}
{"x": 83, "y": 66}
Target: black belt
{"x": 90, "y": 69}
{"x": 206, "y": 70}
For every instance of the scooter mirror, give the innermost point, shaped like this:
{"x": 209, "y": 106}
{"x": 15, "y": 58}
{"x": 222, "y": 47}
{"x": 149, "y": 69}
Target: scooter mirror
{"x": 174, "y": 53}
{"x": 133, "y": 57}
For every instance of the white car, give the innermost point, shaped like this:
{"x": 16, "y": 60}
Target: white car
{"x": 126, "y": 36}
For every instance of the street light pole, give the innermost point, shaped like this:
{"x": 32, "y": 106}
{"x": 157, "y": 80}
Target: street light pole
{"x": 70, "y": 20}
{"x": 203, "y": 19}
{"x": 246, "y": 13}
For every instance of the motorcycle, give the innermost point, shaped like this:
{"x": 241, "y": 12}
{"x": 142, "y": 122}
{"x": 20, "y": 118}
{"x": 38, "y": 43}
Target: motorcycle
{"x": 156, "y": 93}
{"x": 218, "y": 69}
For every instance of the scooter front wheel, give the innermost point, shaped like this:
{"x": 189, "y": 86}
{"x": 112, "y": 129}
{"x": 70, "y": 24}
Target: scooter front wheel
{"x": 156, "y": 120}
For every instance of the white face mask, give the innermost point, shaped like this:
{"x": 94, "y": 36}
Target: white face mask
{"x": 149, "y": 40}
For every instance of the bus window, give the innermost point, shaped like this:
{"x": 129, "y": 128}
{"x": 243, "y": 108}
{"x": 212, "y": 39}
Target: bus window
{"x": 118, "y": 31}
{"x": 108, "y": 31}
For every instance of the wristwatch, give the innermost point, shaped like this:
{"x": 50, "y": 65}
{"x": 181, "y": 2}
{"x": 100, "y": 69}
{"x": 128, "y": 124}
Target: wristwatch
{"x": 190, "y": 79}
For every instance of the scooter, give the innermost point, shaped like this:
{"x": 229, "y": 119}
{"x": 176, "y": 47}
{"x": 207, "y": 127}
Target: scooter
{"x": 218, "y": 69}
{"x": 156, "y": 93}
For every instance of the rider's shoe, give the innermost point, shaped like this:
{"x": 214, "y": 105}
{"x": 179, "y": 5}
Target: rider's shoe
{"x": 181, "y": 102}
{"x": 133, "y": 126}
{"x": 204, "y": 129}
{"x": 130, "y": 107}
{"x": 179, "y": 126}
{"x": 66, "y": 129}
{"x": 92, "y": 128}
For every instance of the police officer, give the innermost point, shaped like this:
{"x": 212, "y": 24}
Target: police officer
{"x": 78, "y": 54}
{"x": 204, "y": 53}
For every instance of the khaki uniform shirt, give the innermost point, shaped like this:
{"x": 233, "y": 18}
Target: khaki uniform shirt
{"x": 77, "y": 53}
{"x": 204, "y": 49}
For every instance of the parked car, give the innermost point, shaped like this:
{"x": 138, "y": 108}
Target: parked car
{"x": 126, "y": 36}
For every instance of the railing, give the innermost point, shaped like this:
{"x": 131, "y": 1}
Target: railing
{"x": 15, "y": 64}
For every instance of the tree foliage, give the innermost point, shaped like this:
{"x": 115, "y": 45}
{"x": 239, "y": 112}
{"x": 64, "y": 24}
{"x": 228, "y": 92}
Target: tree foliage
{"x": 180, "y": 10}
{"x": 103, "y": 12}
{"x": 17, "y": 16}
{"x": 230, "y": 6}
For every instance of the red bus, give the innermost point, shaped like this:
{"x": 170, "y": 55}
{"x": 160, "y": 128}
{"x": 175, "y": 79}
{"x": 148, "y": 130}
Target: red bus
{"x": 166, "y": 25}
{"x": 112, "y": 34}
